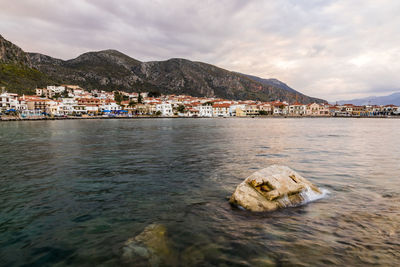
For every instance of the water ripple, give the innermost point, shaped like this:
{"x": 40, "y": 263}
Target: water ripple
{"x": 73, "y": 192}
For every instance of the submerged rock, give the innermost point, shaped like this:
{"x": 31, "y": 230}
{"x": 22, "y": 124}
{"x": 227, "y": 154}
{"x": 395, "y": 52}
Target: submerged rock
{"x": 149, "y": 248}
{"x": 272, "y": 188}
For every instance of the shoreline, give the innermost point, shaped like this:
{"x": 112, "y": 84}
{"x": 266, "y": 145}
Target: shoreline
{"x": 8, "y": 119}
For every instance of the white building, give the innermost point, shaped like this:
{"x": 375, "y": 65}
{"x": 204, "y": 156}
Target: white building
{"x": 21, "y": 104}
{"x": 297, "y": 109}
{"x": 316, "y": 109}
{"x": 165, "y": 109}
{"x": 54, "y": 108}
{"x": 237, "y": 108}
{"x": 41, "y": 91}
{"x": 56, "y": 89}
{"x": 70, "y": 106}
{"x": 79, "y": 109}
{"x": 50, "y": 91}
{"x": 67, "y": 106}
{"x": 92, "y": 108}
{"x": 191, "y": 112}
{"x": 205, "y": 111}
{"x": 110, "y": 107}
{"x": 280, "y": 108}
{"x": 8, "y": 101}
{"x": 221, "y": 110}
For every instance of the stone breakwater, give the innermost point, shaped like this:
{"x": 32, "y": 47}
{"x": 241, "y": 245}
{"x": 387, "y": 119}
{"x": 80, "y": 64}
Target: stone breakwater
{"x": 274, "y": 187}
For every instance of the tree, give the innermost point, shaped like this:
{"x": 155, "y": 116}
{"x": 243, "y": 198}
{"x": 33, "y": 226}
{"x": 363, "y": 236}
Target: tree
{"x": 181, "y": 108}
{"x": 132, "y": 103}
{"x": 158, "y": 113}
{"x": 154, "y": 94}
{"x": 65, "y": 93}
{"x": 263, "y": 112}
{"x": 118, "y": 97}
{"x": 140, "y": 99}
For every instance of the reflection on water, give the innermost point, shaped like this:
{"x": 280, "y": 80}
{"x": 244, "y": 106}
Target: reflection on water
{"x": 74, "y": 192}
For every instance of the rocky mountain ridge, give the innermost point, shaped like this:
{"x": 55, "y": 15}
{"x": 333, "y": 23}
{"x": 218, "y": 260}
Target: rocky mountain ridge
{"x": 112, "y": 70}
{"x": 10, "y": 53}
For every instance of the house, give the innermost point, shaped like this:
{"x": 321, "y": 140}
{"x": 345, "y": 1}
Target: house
{"x": 333, "y": 110}
{"x": 109, "y": 106}
{"x": 67, "y": 106}
{"x": 41, "y": 91}
{"x": 297, "y": 109}
{"x": 377, "y": 110}
{"x": 142, "y": 109}
{"x": 21, "y": 105}
{"x": 389, "y": 109}
{"x": 50, "y": 91}
{"x": 78, "y": 91}
{"x": 129, "y": 106}
{"x": 252, "y": 109}
{"x": 357, "y": 110}
{"x": 165, "y": 109}
{"x": 348, "y": 108}
{"x": 279, "y": 108}
{"x": 323, "y": 110}
{"x": 266, "y": 108}
{"x": 91, "y": 104}
{"x": 191, "y": 112}
{"x": 36, "y": 103}
{"x": 205, "y": 110}
{"x": 148, "y": 100}
{"x": 151, "y": 107}
{"x": 92, "y": 108}
{"x": 72, "y": 87}
{"x": 56, "y": 89}
{"x": 8, "y": 101}
{"x": 54, "y": 107}
{"x": 342, "y": 110}
{"x": 237, "y": 110}
{"x": 221, "y": 110}
{"x": 313, "y": 109}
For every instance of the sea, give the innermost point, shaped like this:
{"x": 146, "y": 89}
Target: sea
{"x": 77, "y": 192}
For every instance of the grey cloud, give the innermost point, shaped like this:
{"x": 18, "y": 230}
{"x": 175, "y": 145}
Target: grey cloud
{"x": 334, "y": 49}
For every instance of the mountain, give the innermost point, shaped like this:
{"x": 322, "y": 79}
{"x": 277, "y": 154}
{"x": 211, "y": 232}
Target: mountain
{"x": 12, "y": 54}
{"x": 272, "y": 82}
{"x": 17, "y": 73}
{"x": 112, "y": 70}
{"x": 375, "y": 100}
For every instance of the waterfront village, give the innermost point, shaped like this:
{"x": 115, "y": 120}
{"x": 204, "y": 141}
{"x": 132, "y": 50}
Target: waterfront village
{"x": 72, "y": 101}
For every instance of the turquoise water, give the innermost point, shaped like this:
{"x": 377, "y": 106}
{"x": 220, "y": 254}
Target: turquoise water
{"x": 73, "y": 192}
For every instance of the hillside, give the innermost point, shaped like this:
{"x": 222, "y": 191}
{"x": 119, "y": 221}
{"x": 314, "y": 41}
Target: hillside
{"x": 17, "y": 73}
{"x": 112, "y": 70}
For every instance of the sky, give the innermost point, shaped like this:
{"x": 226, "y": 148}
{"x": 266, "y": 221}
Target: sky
{"x": 331, "y": 49}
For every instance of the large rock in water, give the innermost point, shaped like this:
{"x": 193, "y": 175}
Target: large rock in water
{"x": 272, "y": 188}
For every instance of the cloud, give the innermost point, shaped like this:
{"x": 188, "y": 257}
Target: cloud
{"x": 333, "y": 49}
